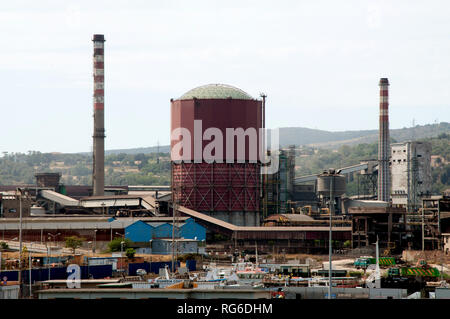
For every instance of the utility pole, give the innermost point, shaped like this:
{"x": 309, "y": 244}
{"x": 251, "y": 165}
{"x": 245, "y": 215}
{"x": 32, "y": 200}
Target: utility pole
{"x": 264, "y": 154}
{"x": 95, "y": 240}
{"x": 330, "y": 251}
{"x": 30, "y": 265}
{"x": 157, "y": 152}
{"x": 54, "y": 237}
{"x": 423, "y": 229}
{"x": 174, "y": 213}
{"x": 121, "y": 255}
{"x": 20, "y": 241}
{"x": 48, "y": 258}
{"x": 377, "y": 268}
{"x": 256, "y": 253}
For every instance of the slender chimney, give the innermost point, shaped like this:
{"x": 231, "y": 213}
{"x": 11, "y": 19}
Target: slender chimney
{"x": 383, "y": 143}
{"x": 98, "y": 177}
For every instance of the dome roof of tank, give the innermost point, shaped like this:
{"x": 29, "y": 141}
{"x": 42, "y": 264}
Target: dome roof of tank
{"x": 216, "y": 91}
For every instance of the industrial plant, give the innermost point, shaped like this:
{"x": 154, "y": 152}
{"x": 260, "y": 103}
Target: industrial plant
{"x": 229, "y": 208}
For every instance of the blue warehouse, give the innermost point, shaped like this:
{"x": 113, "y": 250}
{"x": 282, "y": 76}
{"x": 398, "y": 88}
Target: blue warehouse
{"x": 144, "y": 231}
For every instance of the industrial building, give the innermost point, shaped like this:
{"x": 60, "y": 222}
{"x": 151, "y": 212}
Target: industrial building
{"x": 224, "y": 191}
{"x": 411, "y": 173}
{"x": 278, "y": 187}
{"x": 372, "y": 220}
{"x": 144, "y": 231}
{"x": 227, "y": 187}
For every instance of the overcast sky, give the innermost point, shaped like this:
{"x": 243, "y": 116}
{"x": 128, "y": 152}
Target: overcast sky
{"x": 319, "y": 62}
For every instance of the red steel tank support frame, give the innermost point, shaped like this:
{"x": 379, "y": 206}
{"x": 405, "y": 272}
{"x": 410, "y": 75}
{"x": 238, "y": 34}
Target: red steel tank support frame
{"x": 217, "y": 186}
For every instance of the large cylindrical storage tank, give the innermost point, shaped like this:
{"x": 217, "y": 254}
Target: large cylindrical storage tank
{"x": 212, "y": 171}
{"x": 323, "y": 184}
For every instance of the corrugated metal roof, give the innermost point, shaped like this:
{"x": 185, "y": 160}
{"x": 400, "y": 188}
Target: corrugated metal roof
{"x": 292, "y": 217}
{"x": 59, "y": 198}
{"x": 255, "y": 228}
{"x": 162, "y": 223}
{"x": 294, "y": 228}
{"x": 207, "y": 218}
{"x": 92, "y": 198}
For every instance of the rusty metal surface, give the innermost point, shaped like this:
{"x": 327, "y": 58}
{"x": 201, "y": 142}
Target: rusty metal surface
{"x": 217, "y": 113}
{"x": 218, "y": 186}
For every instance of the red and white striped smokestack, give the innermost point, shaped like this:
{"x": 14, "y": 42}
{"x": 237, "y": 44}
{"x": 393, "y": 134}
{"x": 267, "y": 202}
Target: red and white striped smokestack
{"x": 98, "y": 177}
{"x": 383, "y": 143}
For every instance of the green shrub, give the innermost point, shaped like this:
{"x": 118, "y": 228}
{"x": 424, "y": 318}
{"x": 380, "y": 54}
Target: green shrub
{"x": 114, "y": 245}
{"x": 74, "y": 242}
{"x": 130, "y": 252}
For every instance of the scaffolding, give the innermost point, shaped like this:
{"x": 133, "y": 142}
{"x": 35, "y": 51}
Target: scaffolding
{"x": 425, "y": 224}
{"x": 367, "y": 185}
{"x": 279, "y": 186}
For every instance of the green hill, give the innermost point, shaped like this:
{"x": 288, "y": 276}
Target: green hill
{"x": 144, "y": 166}
{"x": 325, "y": 139}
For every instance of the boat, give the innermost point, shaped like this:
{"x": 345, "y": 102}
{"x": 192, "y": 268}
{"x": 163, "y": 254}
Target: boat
{"x": 165, "y": 280}
{"x": 249, "y": 273}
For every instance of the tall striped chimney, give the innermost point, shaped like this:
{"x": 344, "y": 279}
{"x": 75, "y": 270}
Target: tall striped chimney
{"x": 383, "y": 143}
{"x": 98, "y": 177}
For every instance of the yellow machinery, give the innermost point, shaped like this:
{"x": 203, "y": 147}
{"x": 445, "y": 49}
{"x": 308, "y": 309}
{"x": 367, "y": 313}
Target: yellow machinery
{"x": 307, "y": 209}
{"x": 389, "y": 248}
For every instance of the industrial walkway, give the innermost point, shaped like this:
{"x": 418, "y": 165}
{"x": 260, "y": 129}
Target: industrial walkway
{"x": 148, "y": 202}
{"x": 255, "y": 233}
{"x": 363, "y": 166}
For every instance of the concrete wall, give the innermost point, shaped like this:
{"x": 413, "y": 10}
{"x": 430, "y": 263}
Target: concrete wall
{"x": 130, "y": 293}
{"x": 442, "y": 293}
{"x": 239, "y": 218}
{"x": 9, "y": 292}
{"x": 11, "y": 207}
{"x": 446, "y": 239}
{"x": 343, "y": 293}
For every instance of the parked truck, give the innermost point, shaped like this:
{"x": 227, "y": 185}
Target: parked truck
{"x": 425, "y": 272}
{"x": 364, "y": 262}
